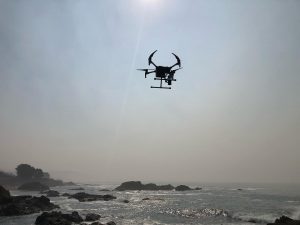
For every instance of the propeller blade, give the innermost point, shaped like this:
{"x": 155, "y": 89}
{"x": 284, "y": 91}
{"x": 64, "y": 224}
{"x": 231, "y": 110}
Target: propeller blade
{"x": 177, "y": 69}
{"x": 145, "y": 69}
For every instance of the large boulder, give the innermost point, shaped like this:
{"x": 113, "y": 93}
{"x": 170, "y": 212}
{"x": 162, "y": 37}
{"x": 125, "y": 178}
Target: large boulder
{"x": 58, "y": 218}
{"x": 92, "y": 217}
{"x": 85, "y": 197}
{"x": 284, "y": 220}
{"x": 33, "y": 186}
{"x": 4, "y": 195}
{"x": 23, "y": 205}
{"x": 182, "y": 188}
{"x": 138, "y": 186}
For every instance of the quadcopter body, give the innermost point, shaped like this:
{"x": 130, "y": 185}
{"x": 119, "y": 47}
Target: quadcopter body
{"x": 162, "y": 73}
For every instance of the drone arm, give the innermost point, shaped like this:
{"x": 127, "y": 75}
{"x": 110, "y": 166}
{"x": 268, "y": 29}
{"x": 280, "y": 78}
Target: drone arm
{"x": 178, "y": 61}
{"x": 150, "y": 59}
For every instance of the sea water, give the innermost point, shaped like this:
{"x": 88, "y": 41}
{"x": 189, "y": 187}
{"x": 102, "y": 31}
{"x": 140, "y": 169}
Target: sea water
{"x": 214, "y": 204}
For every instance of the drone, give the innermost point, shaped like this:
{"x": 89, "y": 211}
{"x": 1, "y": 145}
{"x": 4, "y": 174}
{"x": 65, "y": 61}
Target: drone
{"x": 162, "y": 73}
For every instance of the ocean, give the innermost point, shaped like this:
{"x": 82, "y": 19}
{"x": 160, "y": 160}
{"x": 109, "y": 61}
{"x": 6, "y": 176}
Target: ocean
{"x": 214, "y": 204}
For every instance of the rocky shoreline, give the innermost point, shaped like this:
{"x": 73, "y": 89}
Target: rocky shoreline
{"x": 24, "y": 205}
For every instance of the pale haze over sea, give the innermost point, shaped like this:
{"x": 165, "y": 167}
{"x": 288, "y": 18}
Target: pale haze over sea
{"x": 73, "y": 103}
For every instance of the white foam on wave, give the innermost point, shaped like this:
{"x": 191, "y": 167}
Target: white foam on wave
{"x": 197, "y": 213}
{"x": 263, "y": 218}
{"x": 296, "y": 213}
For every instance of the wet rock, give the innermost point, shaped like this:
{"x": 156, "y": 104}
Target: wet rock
{"x": 51, "y": 193}
{"x": 111, "y": 223}
{"x": 126, "y": 201}
{"x": 137, "y": 185}
{"x": 23, "y": 205}
{"x": 92, "y": 217}
{"x": 104, "y": 190}
{"x": 145, "y": 199}
{"x": 183, "y": 188}
{"x": 84, "y": 197}
{"x": 33, "y": 186}
{"x": 66, "y": 195}
{"x": 4, "y": 195}
{"x": 58, "y": 218}
{"x": 284, "y": 220}
{"x": 198, "y": 189}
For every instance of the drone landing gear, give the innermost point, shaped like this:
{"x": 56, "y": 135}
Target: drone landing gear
{"x": 161, "y": 79}
{"x": 161, "y": 87}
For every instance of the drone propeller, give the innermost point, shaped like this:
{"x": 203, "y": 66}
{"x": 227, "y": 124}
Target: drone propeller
{"x": 178, "y": 61}
{"x": 176, "y": 69}
{"x": 150, "y": 58}
{"x": 146, "y": 71}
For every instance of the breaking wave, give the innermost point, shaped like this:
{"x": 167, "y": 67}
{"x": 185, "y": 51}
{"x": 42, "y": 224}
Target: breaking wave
{"x": 197, "y": 213}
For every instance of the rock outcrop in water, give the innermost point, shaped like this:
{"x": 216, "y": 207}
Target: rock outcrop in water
{"x": 51, "y": 193}
{"x": 84, "y": 197}
{"x": 284, "y": 220}
{"x": 23, "y": 205}
{"x": 91, "y": 217}
{"x": 182, "y": 188}
{"x": 58, "y": 218}
{"x": 138, "y": 186}
{"x": 33, "y": 186}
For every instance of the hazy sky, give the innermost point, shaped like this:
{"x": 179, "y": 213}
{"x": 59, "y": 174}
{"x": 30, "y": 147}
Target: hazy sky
{"x": 73, "y": 103}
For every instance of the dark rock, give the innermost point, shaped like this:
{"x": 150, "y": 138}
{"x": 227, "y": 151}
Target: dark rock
{"x": 104, "y": 190}
{"x": 4, "y": 195}
{"x": 51, "y": 193}
{"x": 137, "y": 185}
{"x": 58, "y": 218}
{"x": 92, "y": 217}
{"x": 84, "y": 197}
{"x": 284, "y": 220}
{"x": 167, "y": 187}
{"x": 23, "y": 205}
{"x": 97, "y": 223}
{"x": 77, "y": 189}
{"x": 183, "y": 188}
{"x": 252, "y": 220}
{"x": 146, "y": 199}
{"x": 126, "y": 201}
{"x": 198, "y": 189}
{"x": 239, "y": 189}
{"x": 111, "y": 223}
{"x": 66, "y": 195}
{"x": 33, "y": 186}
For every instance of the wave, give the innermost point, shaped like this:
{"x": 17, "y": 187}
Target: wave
{"x": 197, "y": 213}
{"x": 296, "y": 213}
{"x": 251, "y": 218}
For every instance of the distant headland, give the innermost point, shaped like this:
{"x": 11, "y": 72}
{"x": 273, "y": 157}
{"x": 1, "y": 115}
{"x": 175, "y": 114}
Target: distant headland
{"x": 26, "y": 173}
